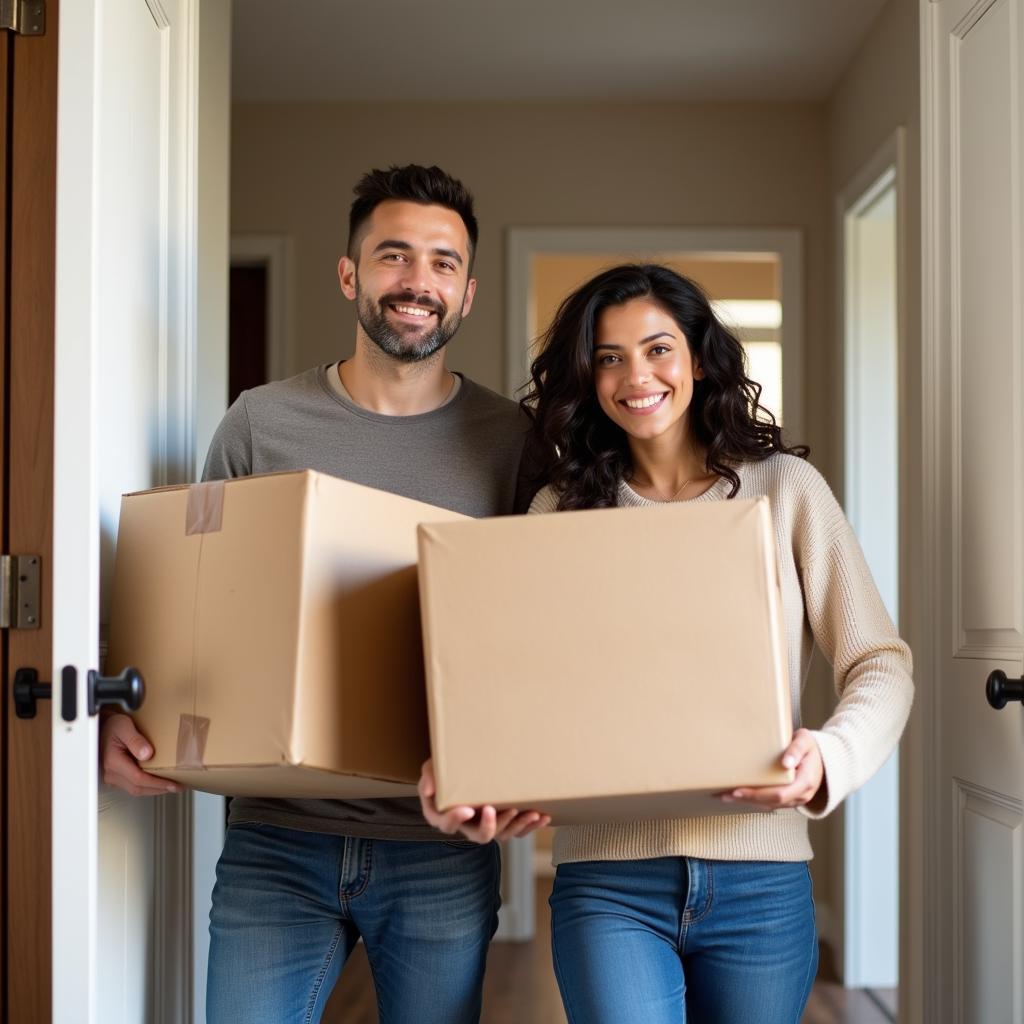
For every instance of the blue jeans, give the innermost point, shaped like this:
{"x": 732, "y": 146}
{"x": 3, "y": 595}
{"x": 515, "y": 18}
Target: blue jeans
{"x": 289, "y": 906}
{"x": 678, "y": 939}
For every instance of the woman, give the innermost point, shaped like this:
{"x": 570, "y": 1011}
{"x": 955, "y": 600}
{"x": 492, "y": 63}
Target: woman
{"x": 639, "y": 396}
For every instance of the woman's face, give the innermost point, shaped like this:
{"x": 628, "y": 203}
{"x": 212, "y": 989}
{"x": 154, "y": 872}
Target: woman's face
{"x": 643, "y": 370}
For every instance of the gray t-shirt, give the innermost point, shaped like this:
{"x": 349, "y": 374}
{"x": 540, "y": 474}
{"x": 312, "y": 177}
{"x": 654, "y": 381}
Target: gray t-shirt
{"x": 464, "y": 455}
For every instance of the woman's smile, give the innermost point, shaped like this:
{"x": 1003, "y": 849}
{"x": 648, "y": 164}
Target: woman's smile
{"x": 644, "y": 405}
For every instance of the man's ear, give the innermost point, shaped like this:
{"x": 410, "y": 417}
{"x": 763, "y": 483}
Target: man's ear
{"x": 467, "y": 302}
{"x": 347, "y": 277}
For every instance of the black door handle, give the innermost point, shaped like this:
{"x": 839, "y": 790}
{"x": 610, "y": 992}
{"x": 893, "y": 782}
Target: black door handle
{"x": 127, "y": 690}
{"x": 27, "y": 690}
{"x": 999, "y": 690}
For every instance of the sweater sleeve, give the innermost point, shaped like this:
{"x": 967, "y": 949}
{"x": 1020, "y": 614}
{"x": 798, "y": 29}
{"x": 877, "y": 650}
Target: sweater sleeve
{"x": 230, "y": 451}
{"x": 545, "y": 500}
{"x": 872, "y": 666}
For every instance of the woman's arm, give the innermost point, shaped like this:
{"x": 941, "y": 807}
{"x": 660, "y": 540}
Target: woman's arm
{"x": 871, "y": 664}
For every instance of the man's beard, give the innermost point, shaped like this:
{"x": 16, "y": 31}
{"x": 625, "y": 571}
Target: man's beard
{"x": 373, "y": 319}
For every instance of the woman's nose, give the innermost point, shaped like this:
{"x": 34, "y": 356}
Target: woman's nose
{"x": 639, "y": 372}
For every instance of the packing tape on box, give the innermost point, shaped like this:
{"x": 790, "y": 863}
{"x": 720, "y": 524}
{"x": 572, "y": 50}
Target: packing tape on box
{"x": 204, "y": 513}
{"x": 192, "y": 733}
{"x": 205, "y": 510}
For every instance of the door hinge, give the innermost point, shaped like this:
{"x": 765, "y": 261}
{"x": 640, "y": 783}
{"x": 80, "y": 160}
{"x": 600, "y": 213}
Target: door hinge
{"x": 26, "y": 17}
{"x": 19, "y": 591}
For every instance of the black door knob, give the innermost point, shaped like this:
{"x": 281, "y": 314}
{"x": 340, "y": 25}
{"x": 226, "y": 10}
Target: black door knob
{"x": 999, "y": 690}
{"x": 127, "y": 690}
{"x": 27, "y": 690}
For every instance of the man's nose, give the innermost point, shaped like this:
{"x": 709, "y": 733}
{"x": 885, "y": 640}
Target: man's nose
{"x": 416, "y": 277}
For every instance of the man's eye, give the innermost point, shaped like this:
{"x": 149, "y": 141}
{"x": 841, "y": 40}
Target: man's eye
{"x": 446, "y": 266}
{"x": 396, "y": 256}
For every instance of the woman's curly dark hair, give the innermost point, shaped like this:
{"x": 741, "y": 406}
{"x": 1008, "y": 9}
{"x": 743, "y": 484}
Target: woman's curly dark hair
{"x": 579, "y": 451}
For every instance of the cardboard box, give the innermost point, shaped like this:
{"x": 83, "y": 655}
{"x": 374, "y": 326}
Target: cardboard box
{"x": 275, "y": 621}
{"x": 609, "y": 665}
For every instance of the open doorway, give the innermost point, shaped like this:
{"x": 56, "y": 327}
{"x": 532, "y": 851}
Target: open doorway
{"x": 869, "y": 258}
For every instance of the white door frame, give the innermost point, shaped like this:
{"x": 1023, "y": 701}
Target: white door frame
{"x": 77, "y": 496}
{"x": 852, "y": 934}
{"x": 920, "y": 852}
{"x": 639, "y": 243}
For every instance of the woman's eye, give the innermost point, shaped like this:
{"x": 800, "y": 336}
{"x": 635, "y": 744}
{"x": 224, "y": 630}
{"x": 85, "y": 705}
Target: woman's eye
{"x": 660, "y": 350}
{"x": 607, "y": 360}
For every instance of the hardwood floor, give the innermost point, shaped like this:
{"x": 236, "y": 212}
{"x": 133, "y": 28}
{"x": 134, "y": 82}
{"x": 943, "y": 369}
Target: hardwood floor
{"x": 520, "y": 988}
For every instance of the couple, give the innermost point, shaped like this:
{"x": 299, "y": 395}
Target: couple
{"x": 638, "y": 396}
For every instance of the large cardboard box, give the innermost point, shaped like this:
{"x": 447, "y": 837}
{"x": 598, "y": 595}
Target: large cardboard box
{"x": 608, "y": 665}
{"x": 275, "y": 621}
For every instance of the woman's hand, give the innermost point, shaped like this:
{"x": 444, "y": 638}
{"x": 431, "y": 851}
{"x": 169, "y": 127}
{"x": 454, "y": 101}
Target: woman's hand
{"x": 802, "y": 754}
{"x": 480, "y": 824}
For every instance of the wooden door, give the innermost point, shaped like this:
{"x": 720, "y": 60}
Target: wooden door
{"x": 29, "y": 112}
{"x": 973, "y": 287}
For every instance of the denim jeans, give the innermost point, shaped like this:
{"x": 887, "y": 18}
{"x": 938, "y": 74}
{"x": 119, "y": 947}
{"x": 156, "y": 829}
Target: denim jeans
{"x": 678, "y": 939}
{"x": 289, "y": 906}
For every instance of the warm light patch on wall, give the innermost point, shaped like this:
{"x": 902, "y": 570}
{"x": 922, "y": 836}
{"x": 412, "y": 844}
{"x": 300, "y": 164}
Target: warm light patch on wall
{"x": 740, "y": 313}
{"x": 744, "y": 289}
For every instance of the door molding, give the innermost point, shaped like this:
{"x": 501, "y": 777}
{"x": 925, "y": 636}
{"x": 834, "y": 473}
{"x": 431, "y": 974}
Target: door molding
{"x": 921, "y": 901}
{"x": 853, "y": 929}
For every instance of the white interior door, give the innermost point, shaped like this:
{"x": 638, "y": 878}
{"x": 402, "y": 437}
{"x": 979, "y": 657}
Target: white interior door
{"x": 974, "y": 385}
{"x": 125, "y": 344}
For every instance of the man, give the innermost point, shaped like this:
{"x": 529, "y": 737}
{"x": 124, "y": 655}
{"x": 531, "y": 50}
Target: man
{"x": 300, "y": 881}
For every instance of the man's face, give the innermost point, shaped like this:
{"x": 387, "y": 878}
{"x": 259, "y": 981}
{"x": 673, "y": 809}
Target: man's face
{"x": 411, "y": 284}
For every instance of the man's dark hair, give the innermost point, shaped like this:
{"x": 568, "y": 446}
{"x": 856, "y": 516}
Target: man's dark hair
{"x": 412, "y": 183}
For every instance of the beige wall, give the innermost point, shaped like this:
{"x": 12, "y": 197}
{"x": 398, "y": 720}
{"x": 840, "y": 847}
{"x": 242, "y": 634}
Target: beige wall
{"x": 550, "y": 164}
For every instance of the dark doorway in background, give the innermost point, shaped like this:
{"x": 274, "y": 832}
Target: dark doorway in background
{"x": 247, "y": 312}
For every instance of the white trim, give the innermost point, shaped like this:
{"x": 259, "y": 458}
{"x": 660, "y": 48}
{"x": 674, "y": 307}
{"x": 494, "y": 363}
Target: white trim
{"x": 208, "y": 814}
{"x": 76, "y": 527}
{"x": 172, "y": 918}
{"x": 524, "y": 243}
{"x": 275, "y": 253}
{"x": 517, "y": 917}
{"x": 856, "y": 921}
{"x": 172, "y": 923}
{"x": 922, "y": 938}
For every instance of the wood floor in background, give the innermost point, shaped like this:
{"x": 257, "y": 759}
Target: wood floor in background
{"x": 520, "y": 988}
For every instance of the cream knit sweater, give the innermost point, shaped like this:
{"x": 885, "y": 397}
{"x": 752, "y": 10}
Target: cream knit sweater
{"x": 829, "y": 597}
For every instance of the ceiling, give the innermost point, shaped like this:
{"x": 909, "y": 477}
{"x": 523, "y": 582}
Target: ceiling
{"x": 507, "y": 50}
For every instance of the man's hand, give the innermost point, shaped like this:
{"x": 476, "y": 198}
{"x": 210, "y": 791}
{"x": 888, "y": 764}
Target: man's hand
{"x": 480, "y": 824}
{"x": 122, "y": 747}
{"x": 802, "y": 754}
